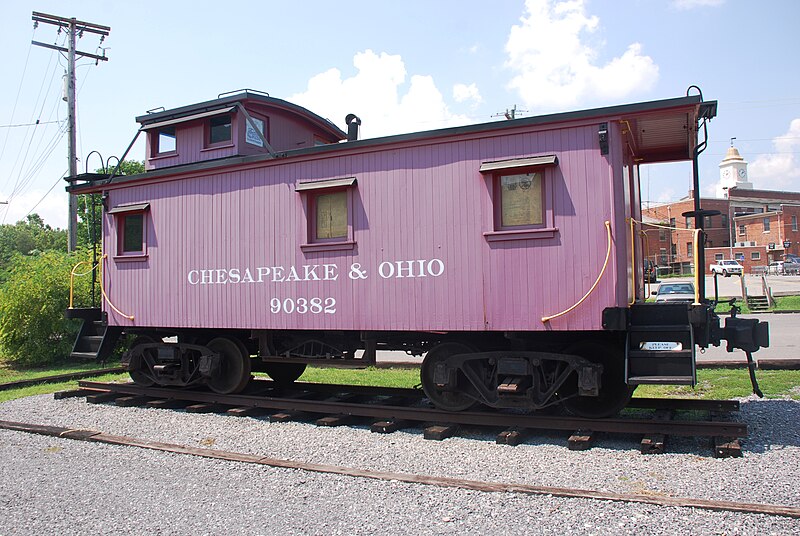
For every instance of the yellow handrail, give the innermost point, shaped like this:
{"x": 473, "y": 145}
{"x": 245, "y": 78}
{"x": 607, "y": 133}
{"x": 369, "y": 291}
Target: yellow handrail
{"x": 103, "y": 291}
{"x": 74, "y": 273}
{"x": 696, "y": 254}
{"x": 633, "y": 262}
{"x": 603, "y": 271}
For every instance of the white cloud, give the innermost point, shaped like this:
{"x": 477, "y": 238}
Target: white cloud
{"x": 378, "y": 94}
{"x": 555, "y": 67}
{"x": 52, "y": 209}
{"x": 781, "y": 169}
{"x": 692, "y": 4}
{"x": 463, "y": 92}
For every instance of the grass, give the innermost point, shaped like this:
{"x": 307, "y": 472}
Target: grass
{"x": 711, "y": 383}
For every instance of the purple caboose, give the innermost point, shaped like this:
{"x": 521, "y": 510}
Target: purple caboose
{"x": 265, "y": 238}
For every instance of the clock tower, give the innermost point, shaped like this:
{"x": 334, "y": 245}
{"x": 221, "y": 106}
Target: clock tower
{"x": 732, "y": 173}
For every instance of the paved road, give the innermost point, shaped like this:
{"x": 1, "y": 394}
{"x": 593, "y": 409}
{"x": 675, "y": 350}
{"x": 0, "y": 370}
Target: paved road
{"x": 784, "y": 345}
{"x": 781, "y": 285}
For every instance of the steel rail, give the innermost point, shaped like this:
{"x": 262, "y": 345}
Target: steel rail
{"x": 421, "y": 414}
{"x": 71, "y": 376}
{"x": 446, "y": 482}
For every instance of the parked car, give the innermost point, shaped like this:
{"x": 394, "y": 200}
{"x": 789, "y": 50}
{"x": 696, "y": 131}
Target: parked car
{"x": 726, "y": 268}
{"x": 791, "y": 265}
{"x": 675, "y": 292}
{"x": 649, "y": 271}
{"x": 775, "y": 268}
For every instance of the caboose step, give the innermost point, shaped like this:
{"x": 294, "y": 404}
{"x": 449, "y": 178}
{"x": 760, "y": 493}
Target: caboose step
{"x": 660, "y": 351}
{"x": 96, "y": 339}
{"x": 660, "y": 380}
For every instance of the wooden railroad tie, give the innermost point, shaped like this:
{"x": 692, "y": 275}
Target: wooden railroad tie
{"x": 438, "y": 432}
{"x": 132, "y": 401}
{"x": 581, "y": 440}
{"x": 725, "y": 447}
{"x": 389, "y": 426}
{"x": 656, "y": 443}
{"x": 167, "y": 403}
{"x": 512, "y": 436}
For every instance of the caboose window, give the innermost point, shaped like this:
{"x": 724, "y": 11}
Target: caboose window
{"x": 165, "y": 141}
{"x": 131, "y": 224}
{"x": 219, "y": 129}
{"x": 521, "y": 191}
{"x": 329, "y": 213}
{"x": 132, "y": 233}
{"x": 521, "y": 200}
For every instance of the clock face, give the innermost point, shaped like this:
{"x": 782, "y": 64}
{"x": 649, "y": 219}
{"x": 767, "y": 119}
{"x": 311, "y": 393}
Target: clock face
{"x": 742, "y": 172}
{"x": 726, "y": 173}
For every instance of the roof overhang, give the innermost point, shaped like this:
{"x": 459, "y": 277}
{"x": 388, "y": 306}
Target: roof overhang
{"x": 185, "y": 118}
{"x": 665, "y": 135}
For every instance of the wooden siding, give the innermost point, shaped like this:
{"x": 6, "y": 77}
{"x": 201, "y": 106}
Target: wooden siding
{"x": 410, "y": 203}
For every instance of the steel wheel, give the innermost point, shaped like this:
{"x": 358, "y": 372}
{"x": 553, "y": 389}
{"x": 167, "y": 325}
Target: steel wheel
{"x": 143, "y": 375}
{"x": 284, "y": 373}
{"x": 234, "y": 367}
{"x": 614, "y": 392}
{"x": 451, "y": 400}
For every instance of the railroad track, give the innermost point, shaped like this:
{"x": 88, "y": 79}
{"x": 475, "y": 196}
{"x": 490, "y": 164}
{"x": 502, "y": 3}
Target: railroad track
{"x": 390, "y": 409}
{"x": 59, "y": 378}
{"x": 483, "y": 486}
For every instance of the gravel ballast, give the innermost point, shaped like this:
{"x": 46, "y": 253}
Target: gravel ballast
{"x": 51, "y": 485}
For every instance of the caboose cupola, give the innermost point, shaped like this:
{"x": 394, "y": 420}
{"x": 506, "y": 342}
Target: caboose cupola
{"x": 244, "y": 123}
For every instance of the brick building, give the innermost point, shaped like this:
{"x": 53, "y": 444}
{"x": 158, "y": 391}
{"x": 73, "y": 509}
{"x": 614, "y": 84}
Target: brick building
{"x": 755, "y": 227}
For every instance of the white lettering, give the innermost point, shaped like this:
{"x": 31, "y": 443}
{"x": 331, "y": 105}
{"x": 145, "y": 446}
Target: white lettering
{"x": 421, "y": 270}
{"x": 262, "y": 273}
{"x": 292, "y": 275}
{"x": 440, "y": 266}
{"x": 248, "y": 277}
{"x": 409, "y": 268}
{"x": 386, "y": 269}
{"x": 222, "y": 276}
{"x": 206, "y": 276}
{"x": 195, "y": 273}
{"x": 277, "y": 274}
{"x": 311, "y": 272}
{"x": 234, "y": 276}
{"x": 330, "y": 272}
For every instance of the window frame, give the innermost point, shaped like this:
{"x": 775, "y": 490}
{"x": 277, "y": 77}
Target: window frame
{"x": 755, "y": 255}
{"x": 310, "y": 191}
{"x": 155, "y": 142}
{"x": 120, "y": 213}
{"x": 493, "y": 172}
{"x": 207, "y": 129}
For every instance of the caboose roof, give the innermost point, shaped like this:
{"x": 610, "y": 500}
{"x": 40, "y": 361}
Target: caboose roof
{"x": 224, "y": 104}
{"x": 656, "y": 131}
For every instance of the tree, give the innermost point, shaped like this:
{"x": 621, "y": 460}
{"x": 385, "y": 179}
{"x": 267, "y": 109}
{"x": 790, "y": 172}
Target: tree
{"x": 33, "y": 329}
{"x": 27, "y": 237}
{"x": 87, "y": 215}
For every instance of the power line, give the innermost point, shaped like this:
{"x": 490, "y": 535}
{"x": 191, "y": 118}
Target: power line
{"x": 28, "y": 124}
{"x": 48, "y": 193}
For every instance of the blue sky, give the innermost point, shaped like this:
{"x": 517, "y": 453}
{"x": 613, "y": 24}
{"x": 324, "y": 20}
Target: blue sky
{"x": 402, "y": 67}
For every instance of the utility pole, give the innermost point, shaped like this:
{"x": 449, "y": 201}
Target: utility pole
{"x": 75, "y": 29}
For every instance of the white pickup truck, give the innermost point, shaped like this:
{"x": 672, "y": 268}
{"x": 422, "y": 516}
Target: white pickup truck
{"x": 726, "y": 268}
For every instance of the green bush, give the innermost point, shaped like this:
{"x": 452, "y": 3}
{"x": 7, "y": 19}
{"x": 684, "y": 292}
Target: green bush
{"x": 33, "y": 330}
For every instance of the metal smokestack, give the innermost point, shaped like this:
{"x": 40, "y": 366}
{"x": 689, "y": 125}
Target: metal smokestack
{"x": 353, "y": 126}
